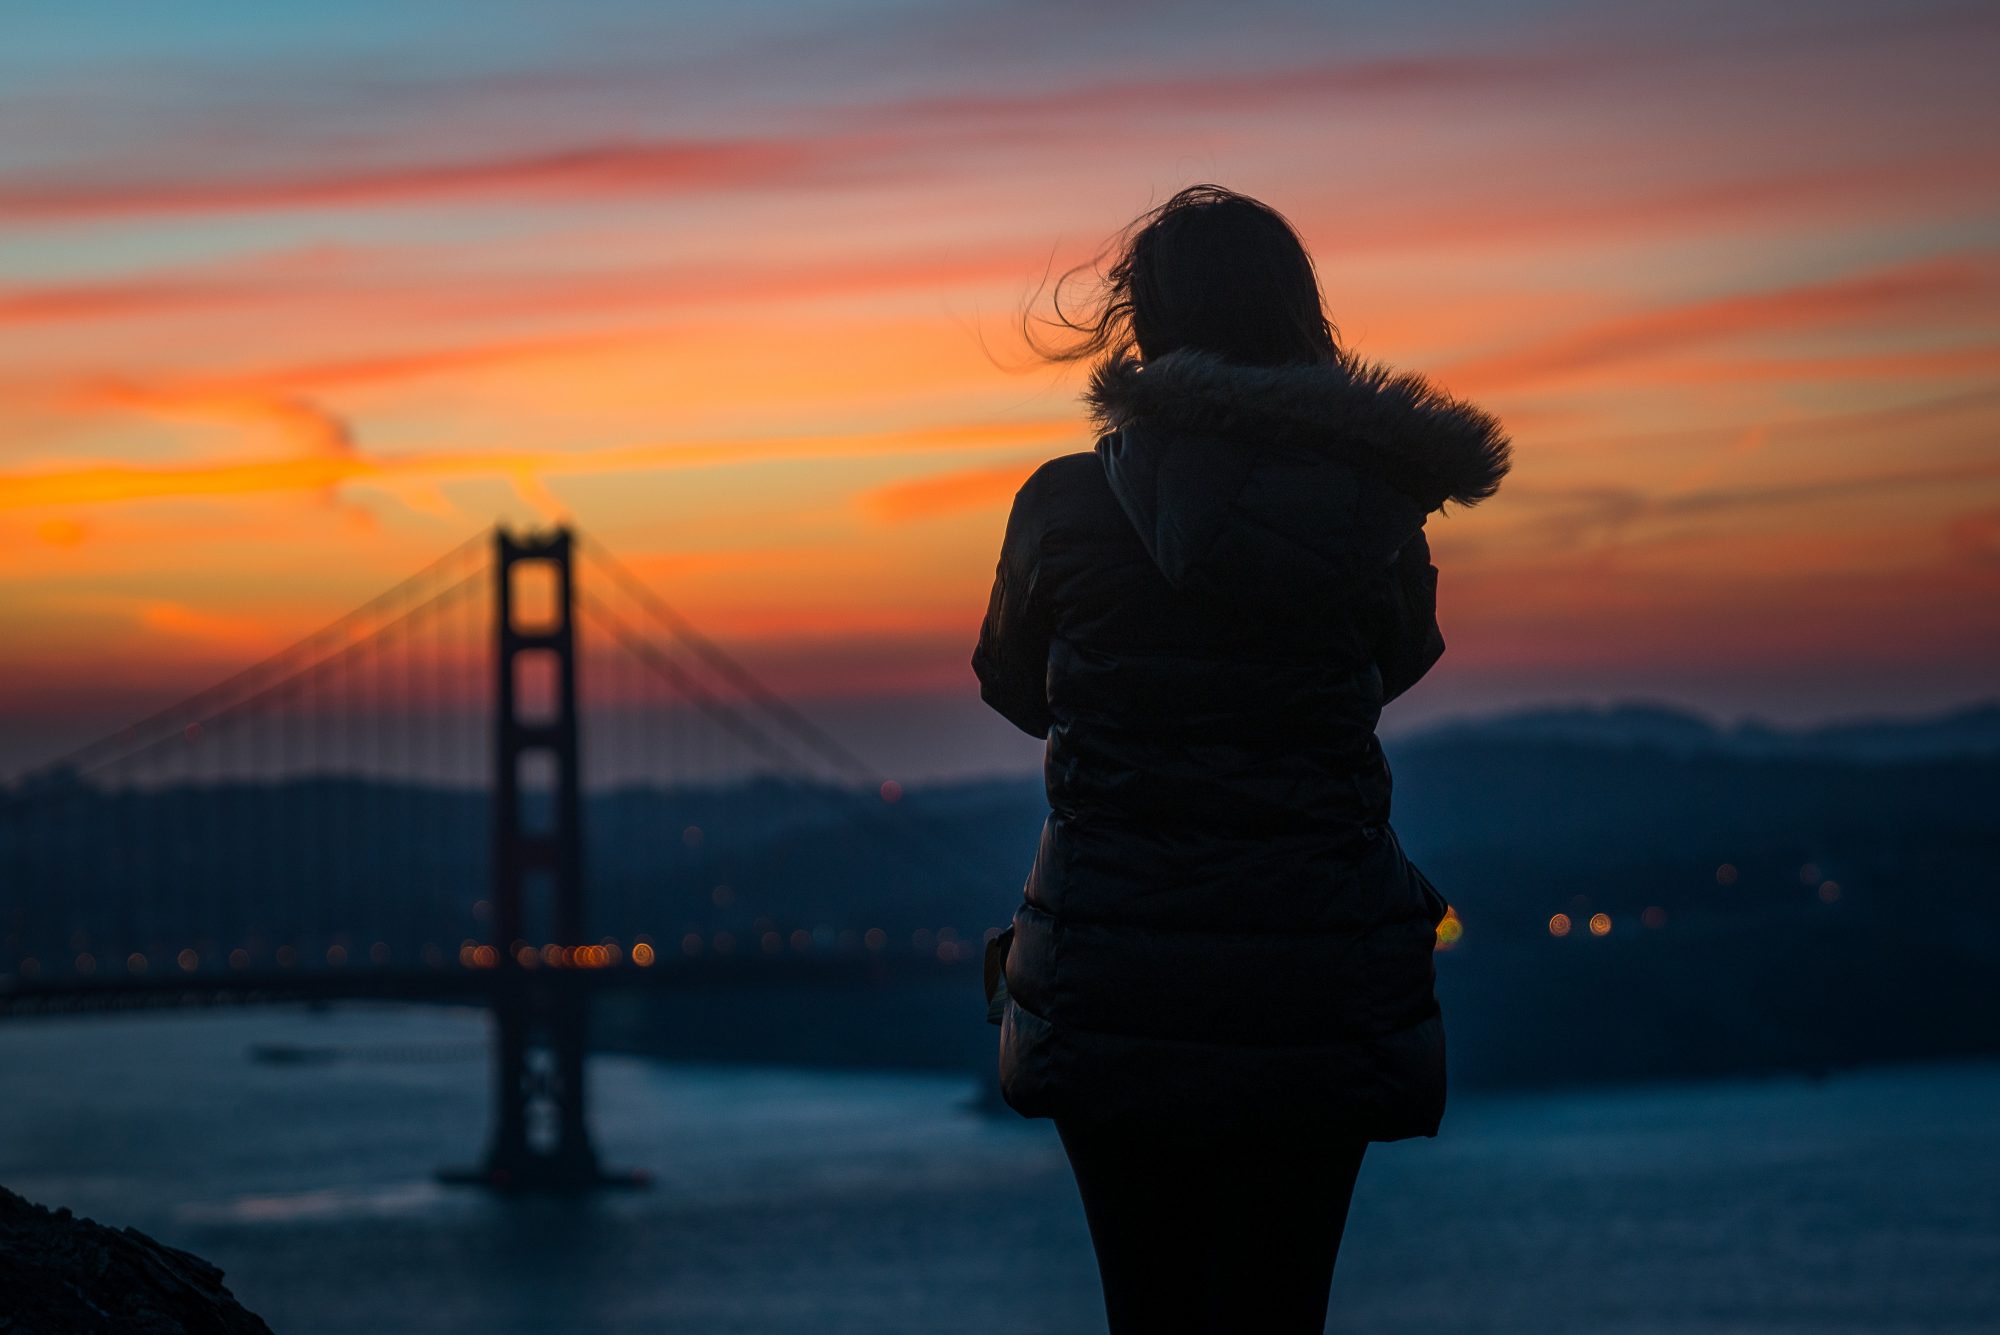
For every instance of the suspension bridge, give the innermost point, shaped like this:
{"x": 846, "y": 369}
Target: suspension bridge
{"x": 516, "y": 779}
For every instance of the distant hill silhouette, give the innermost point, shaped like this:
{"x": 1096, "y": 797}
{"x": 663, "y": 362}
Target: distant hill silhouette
{"x": 1971, "y": 730}
{"x": 1796, "y": 907}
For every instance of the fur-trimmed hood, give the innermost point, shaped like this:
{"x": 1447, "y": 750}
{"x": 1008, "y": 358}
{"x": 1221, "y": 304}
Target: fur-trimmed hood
{"x": 1280, "y": 490}
{"x": 1398, "y": 423}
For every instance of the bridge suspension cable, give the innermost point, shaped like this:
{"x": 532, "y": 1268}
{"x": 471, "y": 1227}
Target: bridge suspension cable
{"x": 210, "y": 700}
{"x": 769, "y": 701}
{"x": 908, "y": 840}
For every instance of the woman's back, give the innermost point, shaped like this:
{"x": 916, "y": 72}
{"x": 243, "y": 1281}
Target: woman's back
{"x": 1204, "y": 617}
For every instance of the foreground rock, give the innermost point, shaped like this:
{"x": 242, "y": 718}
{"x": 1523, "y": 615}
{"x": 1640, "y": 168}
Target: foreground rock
{"x": 60, "y": 1275}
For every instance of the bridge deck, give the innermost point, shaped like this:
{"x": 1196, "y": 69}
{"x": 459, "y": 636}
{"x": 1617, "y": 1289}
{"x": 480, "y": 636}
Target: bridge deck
{"x": 472, "y": 987}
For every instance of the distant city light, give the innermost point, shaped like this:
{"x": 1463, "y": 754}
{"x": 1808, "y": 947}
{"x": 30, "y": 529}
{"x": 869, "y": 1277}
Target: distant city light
{"x": 485, "y": 957}
{"x": 771, "y": 942}
{"x": 336, "y": 955}
{"x": 642, "y": 955}
{"x": 1449, "y": 930}
{"x": 188, "y": 960}
{"x": 1559, "y": 925}
{"x": 1600, "y": 924}
{"x": 691, "y": 944}
{"x": 1726, "y": 874}
{"x": 239, "y": 958}
{"x": 801, "y": 939}
{"x": 135, "y": 962}
{"x": 1809, "y": 873}
{"x": 379, "y": 952}
{"x": 722, "y": 894}
{"x": 1654, "y": 916}
{"x": 1829, "y": 891}
{"x": 875, "y": 938}
{"x": 891, "y": 791}
{"x": 86, "y": 963}
{"x": 692, "y": 836}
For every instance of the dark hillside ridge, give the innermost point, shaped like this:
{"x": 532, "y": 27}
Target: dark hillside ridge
{"x": 1970, "y": 731}
{"x": 1782, "y": 913}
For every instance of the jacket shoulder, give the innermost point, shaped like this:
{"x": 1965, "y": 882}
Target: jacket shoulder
{"x": 1062, "y": 476}
{"x": 1056, "y": 496}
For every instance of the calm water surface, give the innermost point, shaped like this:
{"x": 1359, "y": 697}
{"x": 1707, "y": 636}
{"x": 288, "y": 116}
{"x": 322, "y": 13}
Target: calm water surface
{"x": 803, "y": 1201}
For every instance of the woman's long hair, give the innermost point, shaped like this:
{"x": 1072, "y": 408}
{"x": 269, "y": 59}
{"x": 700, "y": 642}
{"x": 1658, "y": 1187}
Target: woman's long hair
{"x": 1209, "y": 269}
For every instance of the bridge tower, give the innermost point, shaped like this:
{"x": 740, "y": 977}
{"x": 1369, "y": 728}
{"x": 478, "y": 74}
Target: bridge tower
{"x": 541, "y": 1135}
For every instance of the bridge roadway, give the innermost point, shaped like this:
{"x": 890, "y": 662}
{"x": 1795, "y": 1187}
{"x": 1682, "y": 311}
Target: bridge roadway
{"x": 22, "y": 997}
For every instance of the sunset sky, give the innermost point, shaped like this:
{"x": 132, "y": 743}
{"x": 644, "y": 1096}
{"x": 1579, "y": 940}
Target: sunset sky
{"x": 294, "y": 298}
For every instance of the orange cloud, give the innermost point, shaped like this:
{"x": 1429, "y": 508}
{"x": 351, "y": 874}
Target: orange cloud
{"x": 105, "y": 483}
{"x": 663, "y": 165}
{"x": 311, "y": 429}
{"x": 1580, "y": 205}
{"x": 1982, "y": 360}
{"x": 1974, "y": 538}
{"x": 121, "y": 298}
{"x": 61, "y": 532}
{"x": 235, "y": 633}
{"x": 946, "y": 493}
{"x": 1914, "y": 289}
{"x": 398, "y": 286}
{"x": 1567, "y": 517}
{"x": 1140, "y": 98}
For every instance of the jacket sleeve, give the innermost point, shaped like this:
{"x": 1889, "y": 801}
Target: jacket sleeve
{"x": 1412, "y": 643}
{"x": 1012, "y": 657}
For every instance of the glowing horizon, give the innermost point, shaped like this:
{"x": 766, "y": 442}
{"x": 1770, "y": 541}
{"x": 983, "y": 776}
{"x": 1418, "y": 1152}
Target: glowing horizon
{"x": 291, "y": 307}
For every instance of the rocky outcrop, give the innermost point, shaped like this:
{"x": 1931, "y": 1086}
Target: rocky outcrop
{"x": 61, "y": 1275}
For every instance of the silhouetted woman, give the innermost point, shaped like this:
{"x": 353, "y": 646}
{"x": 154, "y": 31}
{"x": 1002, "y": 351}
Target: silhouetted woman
{"x": 1219, "y": 983}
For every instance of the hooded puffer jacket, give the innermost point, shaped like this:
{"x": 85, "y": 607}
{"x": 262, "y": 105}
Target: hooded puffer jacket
{"x": 1204, "y": 618}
